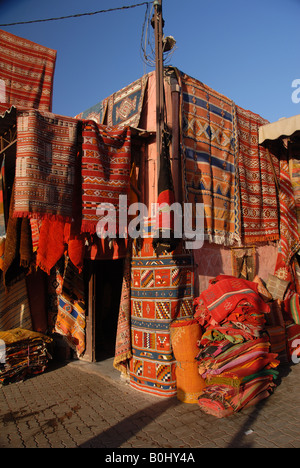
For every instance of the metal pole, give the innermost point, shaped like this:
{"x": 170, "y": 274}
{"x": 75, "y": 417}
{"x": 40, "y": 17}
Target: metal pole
{"x": 158, "y": 26}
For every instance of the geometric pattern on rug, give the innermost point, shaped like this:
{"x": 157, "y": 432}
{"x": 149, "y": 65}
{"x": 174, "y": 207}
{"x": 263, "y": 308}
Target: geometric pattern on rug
{"x": 209, "y": 146}
{"x": 161, "y": 291}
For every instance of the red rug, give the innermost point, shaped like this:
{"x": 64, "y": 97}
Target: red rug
{"x": 257, "y": 184}
{"x": 106, "y": 163}
{"x": 289, "y": 235}
{"x": 26, "y": 73}
{"x": 45, "y": 165}
{"x": 209, "y": 159}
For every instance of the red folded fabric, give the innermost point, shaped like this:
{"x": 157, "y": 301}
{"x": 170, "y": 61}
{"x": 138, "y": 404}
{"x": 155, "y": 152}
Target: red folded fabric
{"x": 214, "y": 407}
{"x": 51, "y": 244}
{"x": 223, "y": 296}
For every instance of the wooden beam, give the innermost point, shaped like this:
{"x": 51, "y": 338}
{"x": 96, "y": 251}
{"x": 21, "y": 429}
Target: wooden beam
{"x": 5, "y": 148}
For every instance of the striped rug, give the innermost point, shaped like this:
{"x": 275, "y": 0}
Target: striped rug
{"x": 209, "y": 145}
{"x": 45, "y": 165}
{"x": 26, "y": 73}
{"x": 257, "y": 181}
{"x": 14, "y": 307}
{"x": 289, "y": 235}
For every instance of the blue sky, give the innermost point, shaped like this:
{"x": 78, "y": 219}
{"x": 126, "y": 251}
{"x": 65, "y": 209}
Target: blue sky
{"x": 247, "y": 50}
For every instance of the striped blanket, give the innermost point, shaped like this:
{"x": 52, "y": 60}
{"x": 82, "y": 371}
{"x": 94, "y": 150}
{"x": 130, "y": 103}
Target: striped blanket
{"x": 26, "y": 73}
{"x": 289, "y": 235}
{"x": 106, "y": 163}
{"x": 45, "y": 165}
{"x": 222, "y": 400}
{"x": 257, "y": 181}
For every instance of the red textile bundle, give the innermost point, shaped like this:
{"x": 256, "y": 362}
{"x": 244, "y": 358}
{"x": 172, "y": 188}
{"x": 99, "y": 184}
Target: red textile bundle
{"x": 223, "y": 400}
{"x": 226, "y": 292}
{"x": 214, "y": 407}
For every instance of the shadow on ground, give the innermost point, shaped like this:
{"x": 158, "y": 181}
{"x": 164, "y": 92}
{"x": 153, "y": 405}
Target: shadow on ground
{"x": 131, "y": 426}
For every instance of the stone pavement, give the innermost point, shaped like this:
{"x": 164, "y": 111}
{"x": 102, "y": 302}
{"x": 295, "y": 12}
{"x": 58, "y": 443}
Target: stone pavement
{"x": 88, "y": 406}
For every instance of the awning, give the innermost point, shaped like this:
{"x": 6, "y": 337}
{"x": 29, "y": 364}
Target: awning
{"x": 283, "y": 128}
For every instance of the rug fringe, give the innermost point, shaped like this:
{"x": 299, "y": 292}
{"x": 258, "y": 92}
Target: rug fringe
{"x": 43, "y": 267}
{"x": 88, "y": 227}
{"x": 41, "y": 216}
{"x": 227, "y": 239}
{"x": 263, "y": 238}
{"x": 120, "y": 362}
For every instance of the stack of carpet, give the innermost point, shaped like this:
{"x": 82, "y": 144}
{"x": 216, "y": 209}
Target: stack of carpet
{"x": 234, "y": 354}
{"x": 23, "y": 353}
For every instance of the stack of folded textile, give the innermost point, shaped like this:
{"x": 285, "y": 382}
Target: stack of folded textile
{"x": 22, "y": 353}
{"x": 234, "y": 351}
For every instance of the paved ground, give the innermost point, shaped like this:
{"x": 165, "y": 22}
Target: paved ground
{"x": 88, "y": 406}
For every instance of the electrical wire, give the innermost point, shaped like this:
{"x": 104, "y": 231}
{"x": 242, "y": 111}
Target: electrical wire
{"x": 148, "y": 45}
{"x": 78, "y": 15}
{"x": 148, "y": 42}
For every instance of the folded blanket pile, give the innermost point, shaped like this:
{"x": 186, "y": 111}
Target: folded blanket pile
{"x": 234, "y": 354}
{"x": 23, "y": 353}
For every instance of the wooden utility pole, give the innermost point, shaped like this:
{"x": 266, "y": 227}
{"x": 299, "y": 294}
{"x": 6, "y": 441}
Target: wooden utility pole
{"x": 158, "y": 27}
